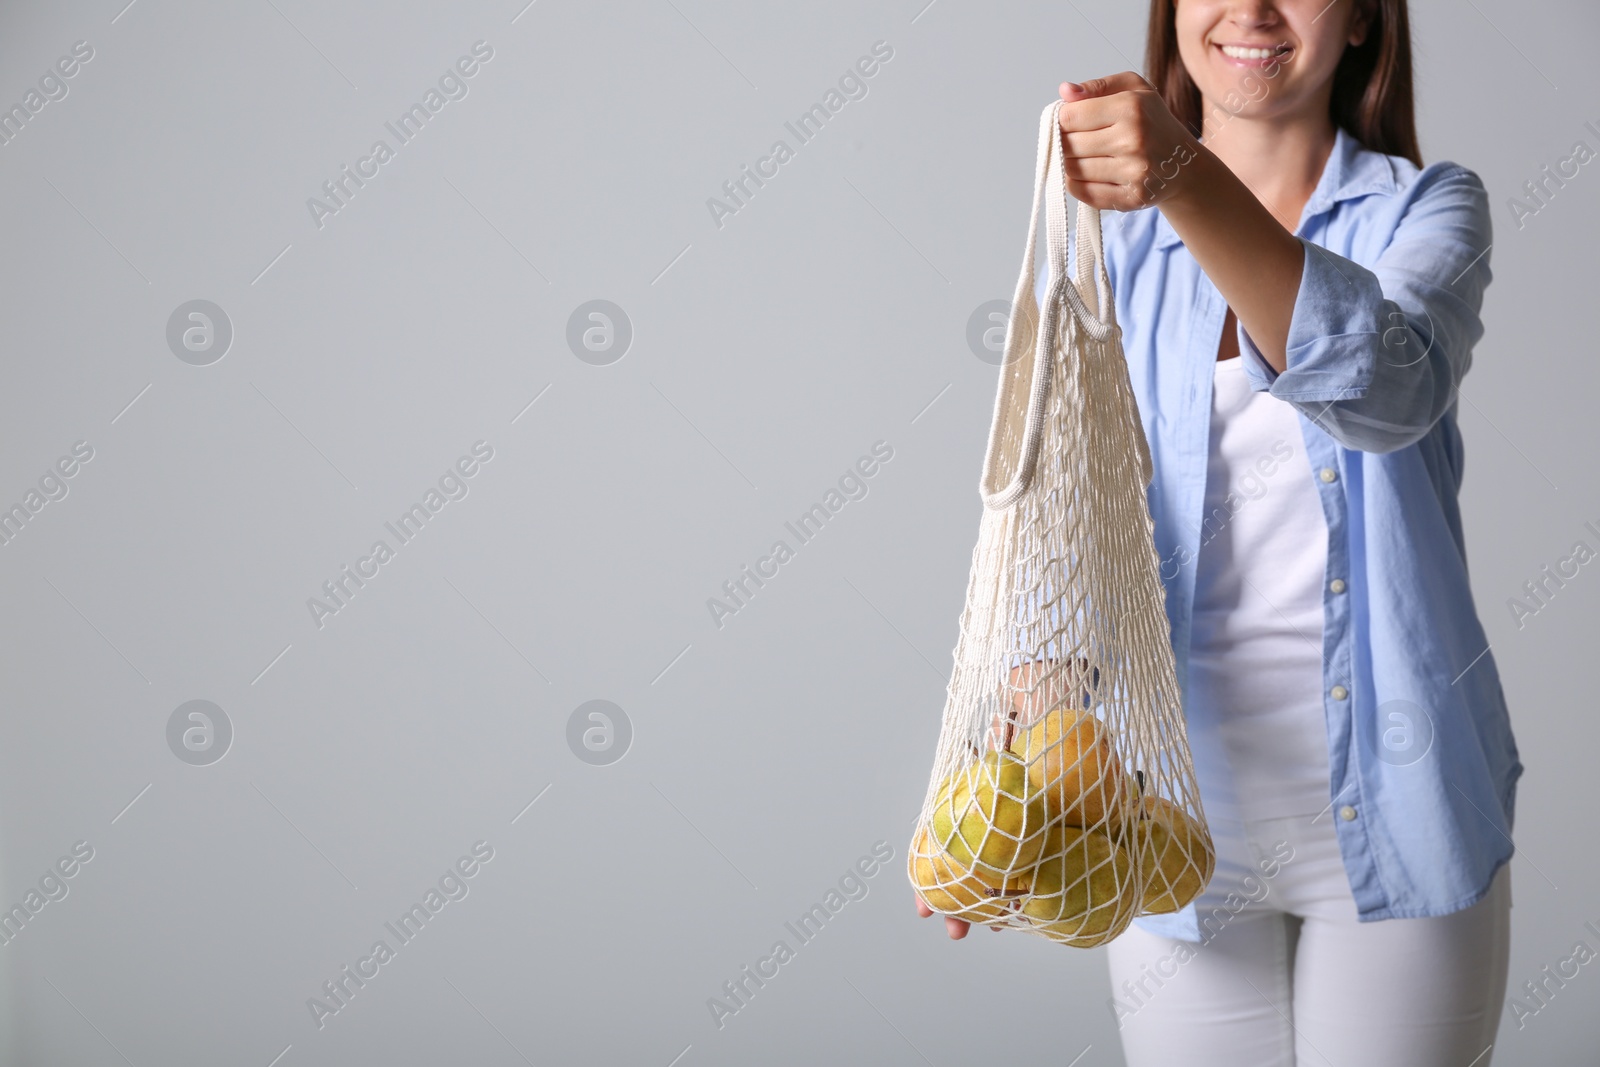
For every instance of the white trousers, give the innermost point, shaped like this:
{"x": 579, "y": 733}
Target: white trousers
{"x": 1289, "y": 978}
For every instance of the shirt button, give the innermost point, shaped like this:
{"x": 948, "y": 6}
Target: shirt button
{"x": 1347, "y": 813}
{"x": 1328, "y": 474}
{"x": 1337, "y": 585}
{"x": 1338, "y": 692}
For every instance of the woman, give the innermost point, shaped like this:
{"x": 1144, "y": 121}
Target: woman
{"x": 1300, "y": 298}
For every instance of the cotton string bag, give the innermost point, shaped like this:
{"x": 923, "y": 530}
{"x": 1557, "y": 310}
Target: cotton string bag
{"x": 1063, "y": 798}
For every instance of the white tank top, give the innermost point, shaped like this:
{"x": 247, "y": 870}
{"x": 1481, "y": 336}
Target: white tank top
{"x": 1256, "y": 648}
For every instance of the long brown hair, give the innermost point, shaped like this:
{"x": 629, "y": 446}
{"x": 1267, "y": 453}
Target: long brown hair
{"x": 1372, "y": 94}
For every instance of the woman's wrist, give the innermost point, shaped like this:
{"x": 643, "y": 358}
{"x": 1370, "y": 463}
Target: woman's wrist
{"x": 1252, "y": 259}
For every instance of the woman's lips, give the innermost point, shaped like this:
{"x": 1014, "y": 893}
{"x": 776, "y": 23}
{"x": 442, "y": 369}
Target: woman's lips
{"x": 1253, "y": 57}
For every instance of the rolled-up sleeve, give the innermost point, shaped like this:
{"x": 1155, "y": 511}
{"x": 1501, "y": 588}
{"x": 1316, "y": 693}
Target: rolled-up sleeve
{"x": 1374, "y": 356}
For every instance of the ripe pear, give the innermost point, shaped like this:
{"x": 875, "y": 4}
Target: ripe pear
{"x": 1067, "y": 933}
{"x": 1175, "y": 854}
{"x": 1070, "y": 760}
{"x": 990, "y": 819}
{"x": 1084, "y": 889}
{"x": 952, "y": 890}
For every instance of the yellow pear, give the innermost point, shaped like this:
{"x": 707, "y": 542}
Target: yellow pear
{"x": 1070, "y": 760}
{"x": 952, "y": 890}
{"x": 1067, "y": 933}
{"x": 1084, "y": 888}
{"x": 989, "y": 819}
{"x": 1175, "y": 854}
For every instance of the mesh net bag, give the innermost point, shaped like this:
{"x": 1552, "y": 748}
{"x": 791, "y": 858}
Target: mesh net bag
{"x": 1063, "y": 798}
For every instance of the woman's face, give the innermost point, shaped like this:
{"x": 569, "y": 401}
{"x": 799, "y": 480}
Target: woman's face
{"x": 1265, "y": 58}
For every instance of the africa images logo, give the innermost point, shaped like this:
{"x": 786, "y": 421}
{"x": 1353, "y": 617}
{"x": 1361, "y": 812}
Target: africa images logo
{"x": 852, "y": 485}
{"x": 453, "y": 885}
{"x": 852, "y": 86}
{"x": 341, "y": 189}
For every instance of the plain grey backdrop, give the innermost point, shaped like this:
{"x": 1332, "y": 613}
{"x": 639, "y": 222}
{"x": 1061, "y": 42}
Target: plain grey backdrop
{"x": 374, "y": 346}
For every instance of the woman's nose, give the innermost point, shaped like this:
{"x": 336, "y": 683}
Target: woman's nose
{"x": 1255, "y": 14}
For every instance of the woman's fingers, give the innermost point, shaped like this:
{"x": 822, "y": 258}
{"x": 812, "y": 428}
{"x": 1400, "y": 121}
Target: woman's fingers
{"x": 1109, "y": 196}
{"x": 1116, "y": 182}
{"x": 1122, "y": 145}
{"x": 956, "y": 928}
{"x": 1090, "y": 114}
{"x": 1111, "y": 83}
{"x": 1097, "y": 169}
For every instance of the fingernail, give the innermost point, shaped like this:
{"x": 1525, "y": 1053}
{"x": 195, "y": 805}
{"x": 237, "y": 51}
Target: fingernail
{"x": 1075, "y": 87}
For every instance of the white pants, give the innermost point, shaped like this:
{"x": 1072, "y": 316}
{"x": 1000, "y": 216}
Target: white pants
{"x": 1292, "y": 979}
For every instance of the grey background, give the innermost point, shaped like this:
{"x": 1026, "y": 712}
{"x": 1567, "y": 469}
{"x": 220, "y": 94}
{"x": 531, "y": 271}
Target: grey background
{"x": 768, "y": 355}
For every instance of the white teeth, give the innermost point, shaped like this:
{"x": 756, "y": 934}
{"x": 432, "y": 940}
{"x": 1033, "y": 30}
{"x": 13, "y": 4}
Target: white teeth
{"x": 1248, "y": 53}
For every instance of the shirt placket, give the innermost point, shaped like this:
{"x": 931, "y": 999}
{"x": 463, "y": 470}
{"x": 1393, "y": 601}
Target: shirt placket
{"x": 1344, "y": 699}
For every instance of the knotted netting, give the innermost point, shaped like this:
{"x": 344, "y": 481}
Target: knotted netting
{"x": 1063, "y": 798}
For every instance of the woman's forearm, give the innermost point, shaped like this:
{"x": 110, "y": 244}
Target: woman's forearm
{"x": 1250, "y": 257}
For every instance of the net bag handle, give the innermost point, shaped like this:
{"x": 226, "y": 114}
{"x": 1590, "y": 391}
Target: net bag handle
{"x": 1049, "y": 189}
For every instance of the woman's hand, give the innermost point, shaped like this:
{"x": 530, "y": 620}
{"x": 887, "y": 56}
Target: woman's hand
{"x": 956, "y": 928}
{"x": 1122, "y": 147}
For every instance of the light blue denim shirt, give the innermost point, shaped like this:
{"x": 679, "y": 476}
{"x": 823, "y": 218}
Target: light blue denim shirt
{"x": 1424, "y": 764}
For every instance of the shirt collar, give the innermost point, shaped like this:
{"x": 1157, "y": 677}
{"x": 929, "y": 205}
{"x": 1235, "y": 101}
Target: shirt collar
{"x": 1352, "y": 170}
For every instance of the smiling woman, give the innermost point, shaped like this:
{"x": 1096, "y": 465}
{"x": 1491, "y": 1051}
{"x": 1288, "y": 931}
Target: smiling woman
{"x": 1318, "y": 256}
{"x": 1367, "y": 74}
{"x": 1286, "y": 267}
